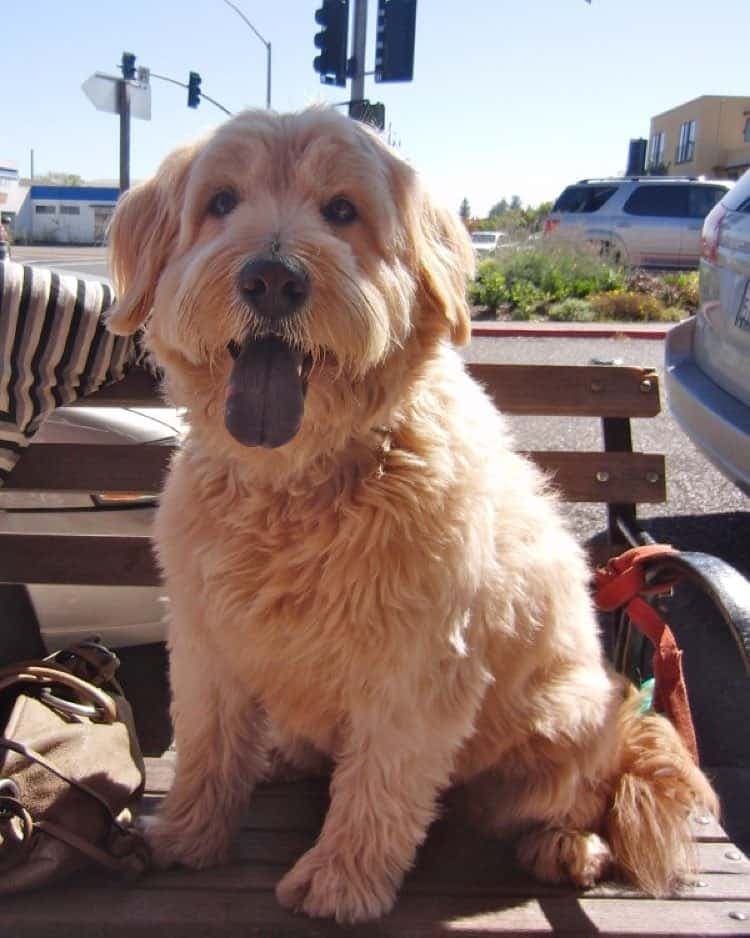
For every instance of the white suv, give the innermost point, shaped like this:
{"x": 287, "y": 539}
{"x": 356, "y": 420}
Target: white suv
{"x": 642, "y": 221}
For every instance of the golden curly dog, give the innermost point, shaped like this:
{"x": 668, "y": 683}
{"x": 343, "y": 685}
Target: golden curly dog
{"x": 359, "y": 567}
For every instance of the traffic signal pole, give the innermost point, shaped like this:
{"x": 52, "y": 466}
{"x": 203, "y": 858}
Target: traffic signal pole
{"x": 360, "y": 43}
{"x": 123, "y": 107}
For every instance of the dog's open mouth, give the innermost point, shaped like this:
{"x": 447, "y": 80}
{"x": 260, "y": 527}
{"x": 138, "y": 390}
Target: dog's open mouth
{"x": 266, "y": 394}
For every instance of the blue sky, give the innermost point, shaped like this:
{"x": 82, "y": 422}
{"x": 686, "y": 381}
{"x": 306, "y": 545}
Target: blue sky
{"x": 508, "y": 97}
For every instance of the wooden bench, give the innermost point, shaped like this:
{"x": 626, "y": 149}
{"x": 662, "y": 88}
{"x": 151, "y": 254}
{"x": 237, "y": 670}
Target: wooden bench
{"x": 462, "y": 883}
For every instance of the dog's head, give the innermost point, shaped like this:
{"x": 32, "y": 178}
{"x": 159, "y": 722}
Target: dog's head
{"x": 283, "y": 253}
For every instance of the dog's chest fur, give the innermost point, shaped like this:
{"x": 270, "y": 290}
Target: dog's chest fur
{"x": 320, "y": 597}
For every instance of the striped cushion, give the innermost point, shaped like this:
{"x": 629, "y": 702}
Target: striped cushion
{"x": 54, "y": 349}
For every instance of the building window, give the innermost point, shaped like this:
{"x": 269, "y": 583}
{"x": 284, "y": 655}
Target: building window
{"x": 657, "y": 149}
{"x": 746, "y": 135}
{"x": 686, "y": 146}
{"x": 70, "y": 210}
{"x": 44, "y": 209}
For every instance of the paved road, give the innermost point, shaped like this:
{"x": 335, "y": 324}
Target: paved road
{"x": 81, "y": 261}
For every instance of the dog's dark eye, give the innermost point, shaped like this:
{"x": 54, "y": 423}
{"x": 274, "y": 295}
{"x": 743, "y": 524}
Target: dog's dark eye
{"x": 222, "y": 203}
{"x": 339, "y": 211}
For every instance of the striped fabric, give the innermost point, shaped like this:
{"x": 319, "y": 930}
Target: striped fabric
{"x": 54, "y": 349}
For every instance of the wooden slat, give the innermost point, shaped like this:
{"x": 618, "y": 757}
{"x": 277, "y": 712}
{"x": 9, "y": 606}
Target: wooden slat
{"x": 605, "y": 477}
{"x": 462, "y": 883}
{"x": 571, "y": 390}
{"x": 637, "y": 477}
{"x": 246, "y": 912}
{"x": 92, "y": 467}
{"x": 98, "y": 559}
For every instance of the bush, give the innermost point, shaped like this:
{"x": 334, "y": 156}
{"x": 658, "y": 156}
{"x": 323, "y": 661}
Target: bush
{"x": 629, "y": 306}
{"x": 571, "y": 310}
{"x": 672, "y": 289}
{"x": 681, "y": 289}
{"x": 490, "y": 288}
{"x": 541, "y": 277}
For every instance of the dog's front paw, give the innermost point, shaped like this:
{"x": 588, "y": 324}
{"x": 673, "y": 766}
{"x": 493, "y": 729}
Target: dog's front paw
{"x": 171, "y": 844}
{"x": 321, "y": 885}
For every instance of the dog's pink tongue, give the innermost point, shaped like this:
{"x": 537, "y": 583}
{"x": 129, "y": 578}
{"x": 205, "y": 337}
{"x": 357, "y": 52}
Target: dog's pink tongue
{"x": 265, "y": 399}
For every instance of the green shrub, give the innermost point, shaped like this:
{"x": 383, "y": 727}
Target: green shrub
{"x": 681, "y": 289}
{"x": 526, "y": 299}
{"x": 539, "y": 277}
{"x": 490, "y": 288}
{"x": 627, "y": 306}
{"x": 571, "y": 310}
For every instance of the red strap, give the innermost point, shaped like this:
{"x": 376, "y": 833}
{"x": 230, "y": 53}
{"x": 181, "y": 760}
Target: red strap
{"x": 622, "y": 583}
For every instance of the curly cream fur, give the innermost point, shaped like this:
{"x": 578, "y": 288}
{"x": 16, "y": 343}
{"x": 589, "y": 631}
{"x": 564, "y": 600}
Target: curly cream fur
{"x": 421, "y": 616}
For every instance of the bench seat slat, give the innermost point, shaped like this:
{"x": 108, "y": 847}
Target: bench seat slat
{"x": 95, "y": 559}
{"x": 71, "y": 467}
{"x": 91, "y": 467}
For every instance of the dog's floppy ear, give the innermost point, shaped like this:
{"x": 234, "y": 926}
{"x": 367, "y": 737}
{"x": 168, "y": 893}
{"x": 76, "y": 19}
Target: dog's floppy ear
{"x": 446, "y": 262}
{"x": 142, "y": 231}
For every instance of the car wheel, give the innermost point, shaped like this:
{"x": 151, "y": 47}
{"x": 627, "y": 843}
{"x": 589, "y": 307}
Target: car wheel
{"x": 613, "y": 252}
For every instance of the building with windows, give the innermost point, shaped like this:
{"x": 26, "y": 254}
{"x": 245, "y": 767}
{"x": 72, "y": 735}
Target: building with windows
{"x": 708, "y": 136}
{"x": 65, "y": 214}
{"x": 12, "y": 193}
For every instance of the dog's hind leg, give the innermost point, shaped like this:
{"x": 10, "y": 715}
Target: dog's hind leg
{"x": 560, "y": 855}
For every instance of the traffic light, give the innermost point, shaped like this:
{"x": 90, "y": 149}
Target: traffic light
{"x": 128, "y": 66}
{"x": 332, "y": 40}
{"x": 194, "y": 89}
{"x": 394, "y": 44}
{"x": 368, "y": 113}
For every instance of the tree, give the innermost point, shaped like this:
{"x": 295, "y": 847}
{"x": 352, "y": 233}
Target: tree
{"x": 515, "y": 203}
{"x": 500, "y": 208}
{"x": 55, "y": 179}
{"x": 465, "y": 212}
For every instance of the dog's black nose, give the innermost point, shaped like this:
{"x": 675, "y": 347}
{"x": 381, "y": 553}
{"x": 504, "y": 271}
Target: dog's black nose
{"x": 275, "y": 287}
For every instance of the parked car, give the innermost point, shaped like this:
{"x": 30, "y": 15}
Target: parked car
{"x": 486, "y": 242}
{"x": 641, "y": 221}
{"x": 121, "y": 615}
{"x": 708, "y": 355}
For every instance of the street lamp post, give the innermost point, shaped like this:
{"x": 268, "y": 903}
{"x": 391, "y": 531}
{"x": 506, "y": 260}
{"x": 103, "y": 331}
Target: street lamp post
{"x": 266, "y": 44}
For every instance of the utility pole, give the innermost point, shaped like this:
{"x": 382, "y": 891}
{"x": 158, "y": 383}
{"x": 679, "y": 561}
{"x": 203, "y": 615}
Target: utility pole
{"x": 123, "y": 107}
{"x": 360, "y": 43}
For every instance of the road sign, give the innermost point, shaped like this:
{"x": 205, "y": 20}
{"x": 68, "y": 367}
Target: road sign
{"x": 101, "y": 90}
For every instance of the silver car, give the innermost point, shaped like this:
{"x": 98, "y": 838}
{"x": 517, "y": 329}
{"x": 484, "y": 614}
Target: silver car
{"x": 641, "y": 221}
{"x": 708, "y": 356}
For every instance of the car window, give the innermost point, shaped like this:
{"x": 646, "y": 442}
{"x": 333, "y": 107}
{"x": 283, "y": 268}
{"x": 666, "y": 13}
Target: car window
{"x": 481, "y": 238}
{"x": 702, "y": 199}
{"x": 583, "y": 198}
{"x": 667, "y": 201}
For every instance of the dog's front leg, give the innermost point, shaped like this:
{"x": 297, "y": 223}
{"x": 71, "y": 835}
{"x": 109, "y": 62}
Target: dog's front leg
{"x": 383, "y": 795}
{"x": 221, "y": 740}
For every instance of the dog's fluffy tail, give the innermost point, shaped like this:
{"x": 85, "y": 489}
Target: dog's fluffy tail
{"x": 657, "y": 788}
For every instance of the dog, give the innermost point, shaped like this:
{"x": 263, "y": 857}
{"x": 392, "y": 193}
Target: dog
{"x": 361, "y": 571}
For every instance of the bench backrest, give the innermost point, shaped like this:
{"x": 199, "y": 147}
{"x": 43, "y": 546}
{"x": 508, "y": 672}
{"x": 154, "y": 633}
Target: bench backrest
{"x": 614, "y": 475}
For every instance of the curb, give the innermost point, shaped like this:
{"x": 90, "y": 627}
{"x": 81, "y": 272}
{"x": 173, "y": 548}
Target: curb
{"x": 558, "y": 330}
